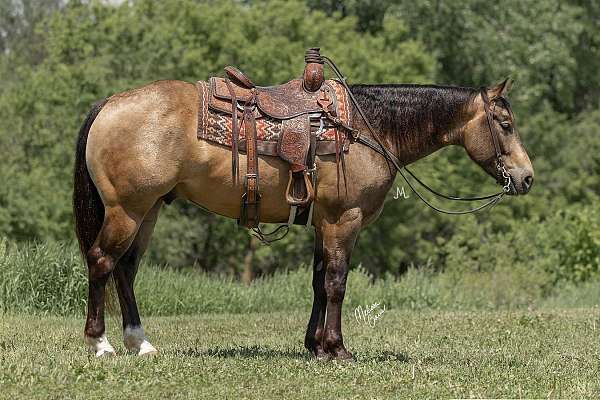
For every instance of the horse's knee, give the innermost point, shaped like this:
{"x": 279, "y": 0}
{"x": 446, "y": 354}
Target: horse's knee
{"x": 128, "y": 264}
{"x": 335, "y": 282}
{"x": 100, "y": 264}
{"x": 336, "y": 291}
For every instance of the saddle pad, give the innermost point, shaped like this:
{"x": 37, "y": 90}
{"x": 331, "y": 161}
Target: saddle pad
{"x": 215, "y": 125}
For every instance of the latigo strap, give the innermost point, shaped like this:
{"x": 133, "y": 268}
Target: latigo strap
{"x": 249, "y": 215}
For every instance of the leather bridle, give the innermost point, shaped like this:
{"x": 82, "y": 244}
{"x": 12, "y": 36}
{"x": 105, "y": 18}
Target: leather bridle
{"x": 500, "y": 167}
{"x": 377, "y": 145}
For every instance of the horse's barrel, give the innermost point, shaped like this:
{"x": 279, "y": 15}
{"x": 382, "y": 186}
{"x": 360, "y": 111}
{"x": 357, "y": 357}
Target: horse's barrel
{"x": 314, "y": 75}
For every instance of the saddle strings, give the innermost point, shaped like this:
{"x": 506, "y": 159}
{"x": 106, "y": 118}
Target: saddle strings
{"x": 269, "y": 237}
{"x": 391, "y": 158}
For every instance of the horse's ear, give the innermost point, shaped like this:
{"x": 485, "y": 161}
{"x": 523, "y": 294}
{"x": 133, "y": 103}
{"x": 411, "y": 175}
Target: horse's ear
{"x": 500, "y": 89}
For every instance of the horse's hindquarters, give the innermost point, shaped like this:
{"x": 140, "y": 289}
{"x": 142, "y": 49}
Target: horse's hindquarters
{"x": 138, "y": 144}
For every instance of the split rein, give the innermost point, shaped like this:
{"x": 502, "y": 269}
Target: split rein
{"x": 377, "y": 146}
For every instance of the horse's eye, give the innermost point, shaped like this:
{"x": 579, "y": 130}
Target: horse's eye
{"x": 505, "y": 125}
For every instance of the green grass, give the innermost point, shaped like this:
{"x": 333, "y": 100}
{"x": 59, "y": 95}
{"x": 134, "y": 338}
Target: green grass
{"x": 428, "y": 354}
{"x": 496, "y": 333}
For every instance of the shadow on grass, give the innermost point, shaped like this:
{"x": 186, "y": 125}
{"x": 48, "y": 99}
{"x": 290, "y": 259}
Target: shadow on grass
{"x": 390, "y": 356}
{"x": 257, "y": 351}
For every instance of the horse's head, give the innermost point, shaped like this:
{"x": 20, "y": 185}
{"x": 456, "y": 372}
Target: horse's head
{"x": 492, "y": 141}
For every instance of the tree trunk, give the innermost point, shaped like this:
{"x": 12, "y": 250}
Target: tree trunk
{"x": 248, "y": 274}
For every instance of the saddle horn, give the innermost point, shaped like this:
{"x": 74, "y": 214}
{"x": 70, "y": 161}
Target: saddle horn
{"x": 314, "y": 74}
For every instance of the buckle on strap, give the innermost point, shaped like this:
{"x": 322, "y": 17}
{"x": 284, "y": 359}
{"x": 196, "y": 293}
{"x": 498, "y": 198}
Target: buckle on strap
{"x": 321, "y": 129}
{"x": 251, "y": 177}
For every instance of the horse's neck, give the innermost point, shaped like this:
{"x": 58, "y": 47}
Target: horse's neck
{"x": 413, "y": 128}
{"x": 417, "y": 144}
{"x": 421, "y": 144}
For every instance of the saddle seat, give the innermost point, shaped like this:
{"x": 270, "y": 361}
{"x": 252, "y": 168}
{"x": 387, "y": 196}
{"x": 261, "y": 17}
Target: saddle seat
{"x": 284, "y": 101}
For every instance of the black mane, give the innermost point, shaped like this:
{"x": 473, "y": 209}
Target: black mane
{"x": 403, "y": 112}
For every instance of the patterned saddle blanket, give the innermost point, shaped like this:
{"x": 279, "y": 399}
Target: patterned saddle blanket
{"x": 215, "y": 122}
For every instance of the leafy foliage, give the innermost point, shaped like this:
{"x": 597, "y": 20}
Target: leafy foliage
{"x": 57, "y": 58}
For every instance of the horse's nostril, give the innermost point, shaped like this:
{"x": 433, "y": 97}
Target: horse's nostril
{"x": 528, "y": 182}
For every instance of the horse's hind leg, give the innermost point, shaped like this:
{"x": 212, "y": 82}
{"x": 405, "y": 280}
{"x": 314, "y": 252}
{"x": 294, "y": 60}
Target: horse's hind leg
{"x": 117, "y": 233}
{"x": 124, "y": 274}
{"x": 314, "y": 331}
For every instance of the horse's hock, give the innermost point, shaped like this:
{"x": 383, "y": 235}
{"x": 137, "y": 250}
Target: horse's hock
{"x": 291, "y": 121}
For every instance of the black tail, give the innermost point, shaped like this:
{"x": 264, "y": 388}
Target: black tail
{"x": 87, "y": 205}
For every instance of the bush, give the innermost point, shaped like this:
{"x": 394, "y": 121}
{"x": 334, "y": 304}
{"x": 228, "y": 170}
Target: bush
{"x": 46, "y": 278}
{"x": 562, "y": 248}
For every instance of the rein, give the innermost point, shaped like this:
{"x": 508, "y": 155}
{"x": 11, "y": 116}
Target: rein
{"x": 377, "y": 146}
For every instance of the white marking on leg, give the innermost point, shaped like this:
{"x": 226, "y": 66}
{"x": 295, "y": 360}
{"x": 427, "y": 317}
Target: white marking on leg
{"x": 135, "y": 340}
{"x": 100, "y": 345}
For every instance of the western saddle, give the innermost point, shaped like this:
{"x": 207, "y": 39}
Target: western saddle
{"x": 303, "y": 107}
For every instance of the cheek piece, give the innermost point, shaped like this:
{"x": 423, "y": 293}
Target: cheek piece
{"x": 500, "y": 167}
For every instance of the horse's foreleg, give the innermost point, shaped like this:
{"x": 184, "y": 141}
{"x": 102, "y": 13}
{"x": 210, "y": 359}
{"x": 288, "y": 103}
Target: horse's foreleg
{"x": 125, "y": 272}
{"x": 117, "y": 233}
{"x": 314, "y": 331}
{"x": 338, "y": 242}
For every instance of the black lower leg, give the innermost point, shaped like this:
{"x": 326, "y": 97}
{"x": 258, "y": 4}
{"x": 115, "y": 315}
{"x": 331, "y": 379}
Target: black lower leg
{"x": 124, "y": 275}
{"x": 314, "y": 331}
{"x": 335, "y": 286}
{"x": 99, "y": 270}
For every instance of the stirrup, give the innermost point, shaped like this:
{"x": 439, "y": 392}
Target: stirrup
{"x": 310, "y": 193}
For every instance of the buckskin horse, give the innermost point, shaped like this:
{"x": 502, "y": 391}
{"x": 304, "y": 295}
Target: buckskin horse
{"x": 140, "y": 149}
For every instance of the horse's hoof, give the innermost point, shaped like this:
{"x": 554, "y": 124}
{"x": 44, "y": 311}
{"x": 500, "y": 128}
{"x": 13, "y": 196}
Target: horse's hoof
{"x": 100, "y": 346}
{"x": 135, "y": 341}
{"x": 147, "y": 350}
{"x": 344, "y": 356}
{"x": 318, "y": 353}
{"x": 106, "y": 353}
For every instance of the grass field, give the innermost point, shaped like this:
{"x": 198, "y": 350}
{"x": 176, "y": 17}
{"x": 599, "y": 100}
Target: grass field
{"x": 497, "y": 333}
{"x": 414, "y": 354}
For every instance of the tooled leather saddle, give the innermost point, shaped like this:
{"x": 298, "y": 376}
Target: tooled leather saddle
{"x": 292, "y": 121}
